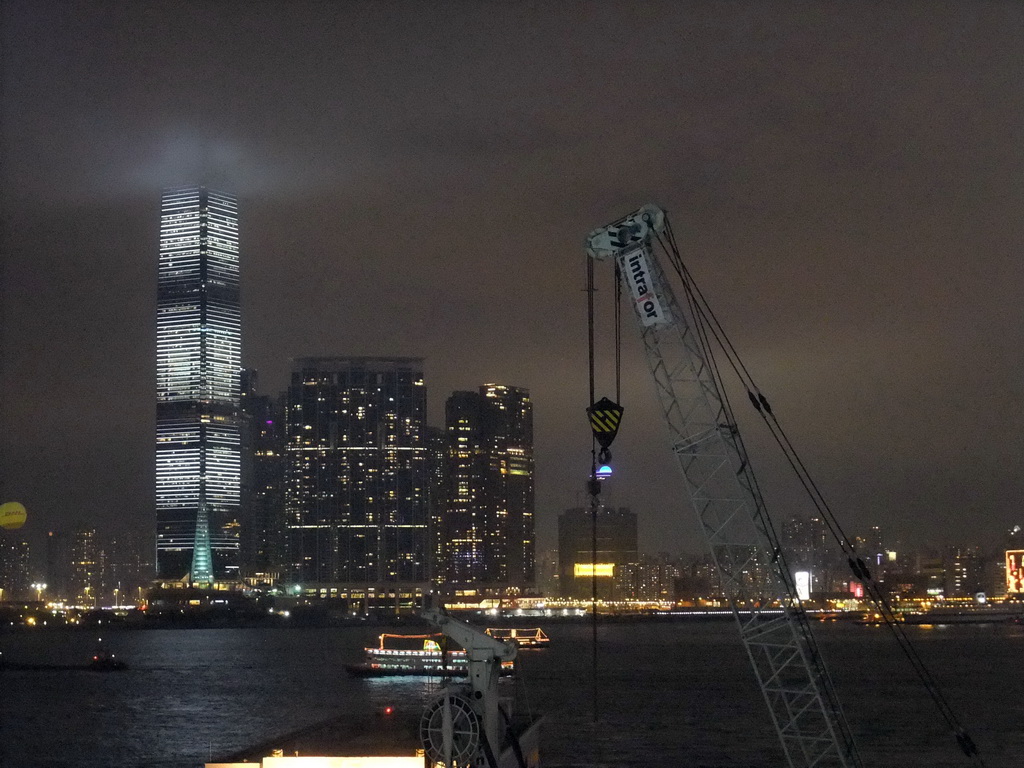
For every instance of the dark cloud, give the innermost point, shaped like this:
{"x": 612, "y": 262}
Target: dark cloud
{"x": 417, "y": 179}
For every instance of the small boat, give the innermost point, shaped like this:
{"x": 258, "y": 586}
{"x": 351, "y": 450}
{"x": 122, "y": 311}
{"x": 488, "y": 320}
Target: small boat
{"x": 101, "y": 661}
{"x": 105, "y": 661}
{"x": 524, "y": 638}
{"x": 414, "y": 655}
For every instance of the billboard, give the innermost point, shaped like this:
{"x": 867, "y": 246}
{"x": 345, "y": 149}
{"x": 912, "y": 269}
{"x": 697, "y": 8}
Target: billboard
{"x": 803, "y": 584}
{"x": 580, "y": 570}
{"x": 1015, "y": 571}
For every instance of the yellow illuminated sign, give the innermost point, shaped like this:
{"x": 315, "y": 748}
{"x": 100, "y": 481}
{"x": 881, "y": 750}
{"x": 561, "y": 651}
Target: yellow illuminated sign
{"x": 1015, "y": 571}
{"x": 588, "y": 569}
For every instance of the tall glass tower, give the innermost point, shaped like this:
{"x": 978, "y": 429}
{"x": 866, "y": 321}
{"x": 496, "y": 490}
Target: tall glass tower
{"x": 198, "y": 363}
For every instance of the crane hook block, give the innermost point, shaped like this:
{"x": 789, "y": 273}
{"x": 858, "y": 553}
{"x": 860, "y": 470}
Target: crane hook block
{"x": 605, "y": 416}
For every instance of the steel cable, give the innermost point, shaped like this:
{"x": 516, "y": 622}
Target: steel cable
{"x": 702, "y": 312}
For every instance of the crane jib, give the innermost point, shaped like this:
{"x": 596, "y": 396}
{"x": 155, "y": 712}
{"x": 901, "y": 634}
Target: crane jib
{"x": 636, "y": 267}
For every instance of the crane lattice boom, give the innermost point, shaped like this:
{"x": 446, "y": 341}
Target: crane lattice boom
{"x": 724, "y": 493}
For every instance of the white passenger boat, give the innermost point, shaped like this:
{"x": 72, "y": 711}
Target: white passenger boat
{"x": 414, "y": 655}
{"x": 466, "y": 723}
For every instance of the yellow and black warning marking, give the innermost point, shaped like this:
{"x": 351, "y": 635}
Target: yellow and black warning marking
{"x": 605, "y": 420}
{"x": 605, "y": 416}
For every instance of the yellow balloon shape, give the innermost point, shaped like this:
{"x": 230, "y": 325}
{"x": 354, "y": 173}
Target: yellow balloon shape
{"x": 12, "y": 515}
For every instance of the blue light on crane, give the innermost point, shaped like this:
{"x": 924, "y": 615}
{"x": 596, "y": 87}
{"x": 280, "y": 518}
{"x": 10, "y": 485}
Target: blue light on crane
{"x": 603, "y": 472}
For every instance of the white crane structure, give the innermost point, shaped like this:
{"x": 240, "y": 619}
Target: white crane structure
{"x": 724, "y": 492}
{"x": 462, "y": 726}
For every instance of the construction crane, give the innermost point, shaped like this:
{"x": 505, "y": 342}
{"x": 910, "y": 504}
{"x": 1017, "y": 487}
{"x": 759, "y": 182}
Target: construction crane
{"x": 800, "y": 696}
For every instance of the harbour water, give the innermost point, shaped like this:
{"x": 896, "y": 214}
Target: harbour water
{"x": 667, "y": 694}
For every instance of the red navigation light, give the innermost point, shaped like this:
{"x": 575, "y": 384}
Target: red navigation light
{"x": 388, "y": 710}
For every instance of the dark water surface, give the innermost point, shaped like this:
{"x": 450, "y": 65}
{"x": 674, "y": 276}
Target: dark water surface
{"x": 668, "y": 694}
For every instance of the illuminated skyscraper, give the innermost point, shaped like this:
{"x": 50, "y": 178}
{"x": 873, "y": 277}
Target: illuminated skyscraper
{"x": 198, "y": 351}
{"x": 487, "y": 531}
{"x": 357, "y": 480}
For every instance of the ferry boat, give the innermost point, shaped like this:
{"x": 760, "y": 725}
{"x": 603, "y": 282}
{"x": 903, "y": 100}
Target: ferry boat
{"x": 466, "y": 723}
{"x": 524, "y": 638}
{"x": 411, "y": 655}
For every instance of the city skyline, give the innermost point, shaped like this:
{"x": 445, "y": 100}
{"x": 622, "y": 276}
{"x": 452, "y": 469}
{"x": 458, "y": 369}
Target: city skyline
{"x": 841, "y": 183}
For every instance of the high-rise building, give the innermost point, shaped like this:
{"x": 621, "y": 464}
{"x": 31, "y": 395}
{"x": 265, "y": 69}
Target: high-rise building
{"x": 14, "y": 569}
{"x": 965, "y": 571}
{"x": 487, "y": 526}
{"x": 356, "y": 493}
{"x": 653, "y": 578}
{"x": 437, "y": 456}
{"x": 198, "y": 391}
{"x": 263, "y": 462}
{"x": 128, "y": 566}
{"x": 58, "y": 565}
{"x": 615, "y": 536}
{"x": 87, "y": 568}
{"x": 808, "y": 546}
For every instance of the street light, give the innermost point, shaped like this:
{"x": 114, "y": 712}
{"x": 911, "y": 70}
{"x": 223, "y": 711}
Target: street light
{"x": 39, "y": 587}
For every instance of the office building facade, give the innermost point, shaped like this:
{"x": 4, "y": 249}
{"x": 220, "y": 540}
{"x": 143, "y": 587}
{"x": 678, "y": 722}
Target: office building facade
{"x": 487, "y": 522}
{"x": 613, "y": 533}
{"x": 198, "y": 389}
{"x": 15, "y": 575}
{"x": 356, "y": 475}
{"x": 263, "y": 463}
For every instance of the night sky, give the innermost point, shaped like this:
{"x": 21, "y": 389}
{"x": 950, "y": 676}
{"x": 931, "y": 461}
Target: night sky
{"x": 845, "y": 180}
